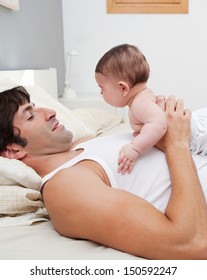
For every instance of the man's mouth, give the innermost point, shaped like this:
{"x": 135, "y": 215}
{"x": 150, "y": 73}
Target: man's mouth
{"x": 55, "y": 126}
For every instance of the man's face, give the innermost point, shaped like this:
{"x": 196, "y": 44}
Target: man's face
{"x": 42, "y": 130}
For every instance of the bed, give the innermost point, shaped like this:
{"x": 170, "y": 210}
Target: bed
{"x": 26, "y": 230}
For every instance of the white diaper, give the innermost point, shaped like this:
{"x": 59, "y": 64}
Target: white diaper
{"x": 198, "y": 143}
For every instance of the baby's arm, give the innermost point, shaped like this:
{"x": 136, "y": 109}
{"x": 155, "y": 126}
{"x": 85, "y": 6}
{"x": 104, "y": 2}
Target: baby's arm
{"x": 154, "y": 127}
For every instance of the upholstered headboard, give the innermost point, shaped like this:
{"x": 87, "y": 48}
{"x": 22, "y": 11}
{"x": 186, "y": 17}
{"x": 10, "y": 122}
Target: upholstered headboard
{"x": 46, "y": 78}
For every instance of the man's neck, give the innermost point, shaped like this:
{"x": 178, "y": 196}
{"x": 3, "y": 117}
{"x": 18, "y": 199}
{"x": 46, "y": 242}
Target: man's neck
{"x": 44, "y": 164}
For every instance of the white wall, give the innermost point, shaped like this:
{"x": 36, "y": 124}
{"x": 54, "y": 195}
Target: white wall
{"x": 175, "y": 46}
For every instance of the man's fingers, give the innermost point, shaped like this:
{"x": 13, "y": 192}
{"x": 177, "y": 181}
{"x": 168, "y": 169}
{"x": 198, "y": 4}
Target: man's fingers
{"x": 160, "y": 100}
{"x": 188, "y": 112}
{"x": 170, "y": 104}
{"x": 179, "y": 106}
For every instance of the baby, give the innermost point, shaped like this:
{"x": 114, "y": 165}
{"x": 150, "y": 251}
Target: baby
{"x": 122, "y": 74}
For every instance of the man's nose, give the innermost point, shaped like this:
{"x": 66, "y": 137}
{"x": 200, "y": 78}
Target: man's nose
{"x": 49, "y": 113}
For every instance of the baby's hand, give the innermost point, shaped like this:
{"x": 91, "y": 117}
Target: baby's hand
{"x": 127, "y": 158}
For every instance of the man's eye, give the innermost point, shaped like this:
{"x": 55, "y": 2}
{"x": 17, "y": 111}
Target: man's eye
{"x": 30, "y": 117}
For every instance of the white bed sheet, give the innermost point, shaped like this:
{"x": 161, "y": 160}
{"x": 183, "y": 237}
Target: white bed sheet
{"x": 41, "y": 242}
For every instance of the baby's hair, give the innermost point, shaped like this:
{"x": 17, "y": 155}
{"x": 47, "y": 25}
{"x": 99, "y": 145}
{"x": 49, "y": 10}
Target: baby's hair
{"x": 124, "y": 62}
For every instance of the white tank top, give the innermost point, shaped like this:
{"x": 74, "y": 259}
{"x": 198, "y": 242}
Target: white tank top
{"x": 149, "y": 178}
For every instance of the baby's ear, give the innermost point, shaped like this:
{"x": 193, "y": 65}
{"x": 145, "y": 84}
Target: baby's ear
{"x": 13, "y": 151}
{"x": 124, "y": 88}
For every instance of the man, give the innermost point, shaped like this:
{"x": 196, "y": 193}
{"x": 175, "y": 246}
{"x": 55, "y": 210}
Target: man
{"x": 86, "y": 198}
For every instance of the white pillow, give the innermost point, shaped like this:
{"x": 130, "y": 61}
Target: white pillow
{"x": 15, "y": 172}
{"x": 98, "y": 120}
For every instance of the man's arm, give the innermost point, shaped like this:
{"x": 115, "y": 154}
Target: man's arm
{"x": 187, "y": 206}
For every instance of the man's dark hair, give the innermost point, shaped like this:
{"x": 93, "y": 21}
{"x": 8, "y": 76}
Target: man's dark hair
{"x": 10, "y": 100}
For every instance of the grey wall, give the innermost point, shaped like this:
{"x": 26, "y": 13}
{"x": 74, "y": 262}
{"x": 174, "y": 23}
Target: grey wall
{"x": 32, "y": 38}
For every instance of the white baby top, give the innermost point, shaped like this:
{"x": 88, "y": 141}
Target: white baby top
{"x": 150, "y": 176}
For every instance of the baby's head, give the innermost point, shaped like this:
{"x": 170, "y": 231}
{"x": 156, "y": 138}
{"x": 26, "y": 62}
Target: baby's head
{"x": 119, "y": 71}
{"x": 124, "y": 62}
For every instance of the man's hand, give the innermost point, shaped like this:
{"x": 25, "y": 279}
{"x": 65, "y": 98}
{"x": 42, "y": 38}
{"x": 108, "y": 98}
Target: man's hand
{"x": 178, "y": 122}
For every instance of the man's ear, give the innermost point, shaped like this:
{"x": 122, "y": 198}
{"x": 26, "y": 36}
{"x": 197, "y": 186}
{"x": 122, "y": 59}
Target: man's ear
{"x": 13, "y": 151}
{"x": 124, "y": 88}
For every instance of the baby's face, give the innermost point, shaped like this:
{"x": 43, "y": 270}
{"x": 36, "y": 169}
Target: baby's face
{"x": 111, "y": 90}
